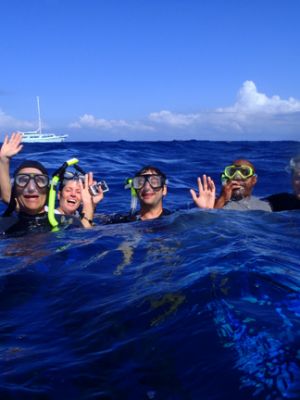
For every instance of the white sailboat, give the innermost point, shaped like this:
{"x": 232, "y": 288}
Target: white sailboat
{"x": 38, "y": 136}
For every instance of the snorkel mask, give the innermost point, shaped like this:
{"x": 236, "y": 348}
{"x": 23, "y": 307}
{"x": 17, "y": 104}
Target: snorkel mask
{"x": 232, "y": 172}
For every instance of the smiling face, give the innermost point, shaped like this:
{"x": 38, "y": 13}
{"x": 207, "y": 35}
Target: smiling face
{"x": 31, "y": 198}
{"x": 243, "y": 187}
{"x": 69, "y": 197}
{"x": 149, "y": 197}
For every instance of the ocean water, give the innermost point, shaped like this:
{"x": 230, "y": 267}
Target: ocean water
{"x": 196, "y": 305}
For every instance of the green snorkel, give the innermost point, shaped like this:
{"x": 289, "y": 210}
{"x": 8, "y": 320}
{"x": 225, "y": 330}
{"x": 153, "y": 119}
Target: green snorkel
{"x": 133, "y": 203}
{"x": 56, "y": 177}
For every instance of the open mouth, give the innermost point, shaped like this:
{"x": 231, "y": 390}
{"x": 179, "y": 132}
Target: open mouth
{"x": 71, "y": 201}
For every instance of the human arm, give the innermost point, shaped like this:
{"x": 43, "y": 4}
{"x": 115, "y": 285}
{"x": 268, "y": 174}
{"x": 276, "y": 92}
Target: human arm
{"x": 87, "y": 203}
{"x": 207, "y": 192}
{"x": 10, "y": 147}
{"x": 226, "y": 193}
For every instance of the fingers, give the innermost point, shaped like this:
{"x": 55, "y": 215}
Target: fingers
{"x": 12, "y": 145}
{"x": 204, "y": 182}
{"x": 207, "y": 186}
{"x": 211, "y": 184}
{"x": 200, "y": 187}
{"x": 80, "y": 185}
{"x": 91, "y": 178}
{"x": 194, "y": 194}
{"x": 5, "y": 140}
{"x": 86, "y": 181}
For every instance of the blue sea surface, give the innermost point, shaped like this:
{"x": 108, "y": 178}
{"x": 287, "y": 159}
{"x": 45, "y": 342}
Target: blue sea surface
{"x": 196, "y": 305}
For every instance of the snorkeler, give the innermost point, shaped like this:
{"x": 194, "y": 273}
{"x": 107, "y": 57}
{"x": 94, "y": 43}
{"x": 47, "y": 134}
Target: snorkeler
{"x": 30, "y": 192}
{"x": 69, "y": 192}
{"x": 238, "y": 182}
{"x": 148, "y": 187}
{"x": 288, "y": 201}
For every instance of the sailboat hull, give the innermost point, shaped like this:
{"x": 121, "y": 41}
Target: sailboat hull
{"x": 28, "y": 137}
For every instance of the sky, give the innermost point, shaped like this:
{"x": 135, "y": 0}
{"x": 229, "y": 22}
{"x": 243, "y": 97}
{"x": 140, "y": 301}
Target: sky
{"x": 151, "y": 69}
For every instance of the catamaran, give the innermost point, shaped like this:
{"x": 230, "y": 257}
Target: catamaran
{"x": 38, "y": 136}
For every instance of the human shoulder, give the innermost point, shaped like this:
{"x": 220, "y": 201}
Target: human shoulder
{"x": 283, "y": 201}
{"x": 25, "y": 223}
{"x": 248, "y": 204}
{"x": 165, "y": 212}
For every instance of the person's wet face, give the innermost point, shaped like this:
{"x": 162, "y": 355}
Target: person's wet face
{"x": 149, "y": 196}
{"x": 296, "y": 182}
{"x": 241, "y": 187}
{"x": 70, "y": 197}
{"x": 31, "y": 198}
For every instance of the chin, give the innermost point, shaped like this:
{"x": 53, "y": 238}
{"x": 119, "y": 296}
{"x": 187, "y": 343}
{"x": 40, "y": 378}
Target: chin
{"x": 238, "y": 195}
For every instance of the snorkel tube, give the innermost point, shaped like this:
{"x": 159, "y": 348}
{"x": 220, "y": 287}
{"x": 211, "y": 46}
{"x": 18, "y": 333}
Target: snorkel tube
{"x": 133, "y": 203}
{"x": 56, "y": 177}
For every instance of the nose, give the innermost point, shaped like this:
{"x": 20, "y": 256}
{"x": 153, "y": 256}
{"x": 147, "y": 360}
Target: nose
{"x": 31, "y": 187}
{"x": 147, "y": 185}
{"x": 237, "y": 176}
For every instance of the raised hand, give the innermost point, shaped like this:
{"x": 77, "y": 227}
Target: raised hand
{"x": 99, "y": 197}
{"x": 11, "y": 145}
{"x": 207, "y": 193}
{"x": 87, "y": 203}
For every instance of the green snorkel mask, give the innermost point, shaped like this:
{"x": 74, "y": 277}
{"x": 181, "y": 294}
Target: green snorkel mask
{"x": 133, "y": 203}
{"x": 56, "y": 178}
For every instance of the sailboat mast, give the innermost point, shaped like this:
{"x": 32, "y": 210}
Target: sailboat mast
{"x": 39, "y": 114}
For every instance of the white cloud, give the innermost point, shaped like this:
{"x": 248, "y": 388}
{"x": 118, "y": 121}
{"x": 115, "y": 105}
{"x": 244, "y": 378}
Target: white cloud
{"x": 11, "y": 123}
{"x": 90, "y": 121}
{"x": 253, "y": 111}
{"x": 254, "y": 115}
{"x": 249, "y": 100}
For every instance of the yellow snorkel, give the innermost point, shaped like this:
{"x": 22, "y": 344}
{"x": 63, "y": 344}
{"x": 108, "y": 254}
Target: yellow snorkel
{"x": 56, "y": 177}
{"x": 133, "y": 203}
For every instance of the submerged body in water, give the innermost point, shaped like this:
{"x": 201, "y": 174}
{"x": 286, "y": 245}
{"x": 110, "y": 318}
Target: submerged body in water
{"x": 194, "y": 305}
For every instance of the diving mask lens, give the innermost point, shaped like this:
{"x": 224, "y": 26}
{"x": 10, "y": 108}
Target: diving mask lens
{"x": 155, "y": 181}
{"x": 73, "y": 176}
{"x": 245, "y": 171}
{"x": 40, "y": 180}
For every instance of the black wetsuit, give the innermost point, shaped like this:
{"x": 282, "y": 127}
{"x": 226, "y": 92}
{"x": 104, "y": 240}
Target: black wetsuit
{"x": 124, "y": 218}
{"x": 283, "y": 201}
{"x": 24, "y": 223}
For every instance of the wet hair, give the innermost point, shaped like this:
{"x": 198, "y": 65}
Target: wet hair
{"x": 242, "y": 161}
{"x": 31, "y": 164}
{"x": 151, "y": 168}
{"x": 24, "y": 164}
